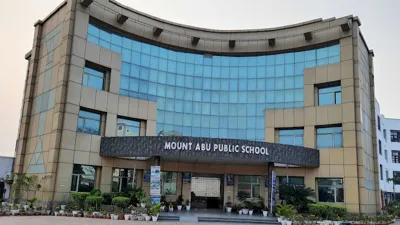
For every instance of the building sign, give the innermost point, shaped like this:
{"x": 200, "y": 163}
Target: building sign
{"x": 146, "y": 175}
{"x": 189, "y": 146}
{"x": 155, "y": 183}
{"x": 186, "y": 178}
{"x": 273, "y": 189}
{"x": 208, "y": 149}
{"x": 230, "y": 180}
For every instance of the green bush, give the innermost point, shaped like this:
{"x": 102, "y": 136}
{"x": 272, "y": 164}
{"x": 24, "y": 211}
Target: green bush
{"x": 326, "y": 211}
{"x": 286, "y": 211}
{"x": 95, "y": 192}
{"x": 121, "y": 202}
{"x": 107, "y": 198}
{"x": 94, "y": 201}
{"x": 80, "y": 198}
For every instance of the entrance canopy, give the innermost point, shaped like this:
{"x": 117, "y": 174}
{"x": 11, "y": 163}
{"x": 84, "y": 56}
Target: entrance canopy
{"x": 224, "y": 151}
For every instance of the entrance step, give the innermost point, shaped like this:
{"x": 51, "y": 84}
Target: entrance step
{"x": 191, "y": 218}
{"x": 237, "y": 220}
{"x": 168, "y": 218}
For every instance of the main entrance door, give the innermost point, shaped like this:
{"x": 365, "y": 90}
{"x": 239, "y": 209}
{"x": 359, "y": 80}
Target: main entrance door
{"x": 207, "y": 191}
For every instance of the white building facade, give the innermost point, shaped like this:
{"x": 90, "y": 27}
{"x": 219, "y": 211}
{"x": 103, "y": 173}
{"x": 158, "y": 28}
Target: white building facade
{"x": 388, "y": 147}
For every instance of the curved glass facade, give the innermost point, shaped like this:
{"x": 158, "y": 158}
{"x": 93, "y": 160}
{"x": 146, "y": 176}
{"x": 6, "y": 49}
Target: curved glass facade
{"x": 211, "y": 96}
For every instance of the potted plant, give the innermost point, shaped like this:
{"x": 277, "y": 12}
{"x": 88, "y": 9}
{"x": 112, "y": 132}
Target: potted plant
{"x": 122, "y": 203}
{"x": 187, "y": 205}
{"x": 94, "y": 202}
{"x": 154, "y": 211}
{"x": 148, "y": 214}
{"x": 179, "y": 201}
{"x": 242, "y": 196}
{"x": 228, "y": 206}
{"x": 287, "y": 211}
{"x": 170, "y": 207}
{"x": 250, "y": 206}
{"x": 162, "y": 208}
{"x": 265, "y": 211}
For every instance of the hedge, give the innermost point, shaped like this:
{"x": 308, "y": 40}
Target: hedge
{"x": 94, "y": 201}
{"x": 80, "y": 198}
{"x": 327, "y": 211}
{"x": 121, "y": 202}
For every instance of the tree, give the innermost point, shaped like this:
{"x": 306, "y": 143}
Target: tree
{"x": 395, "y": 180}
{"x": 297, "y": 196}
{"x": 23, "y": 182}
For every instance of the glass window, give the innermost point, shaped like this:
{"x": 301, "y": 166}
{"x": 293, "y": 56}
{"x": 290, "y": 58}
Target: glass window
{"x": 124, "y": 180}
{"x": 381, "y": 171}
{"x": 330, "y": 95}
{"x": 384, "y": 134}
{"x": 379, "y": 123}
{"x": 94, "y": 78}
{"x": 330, "y": 190}
{"x": 249, "y": 185}
{"x": 291, "y": 180}
{"x": 89, "y": 122}
{"x": 380, "y": 147}
{"x": 395, "y": 135}
{"x": 127, "y": 127}
{"x": 329, "y": 137}
{"x": 386, "y": 155}
{"x": 168, "y": 183}
{"x": 83, "y": 178}
{"x": 395, "y": 156}
{"x": 291, "y": 137}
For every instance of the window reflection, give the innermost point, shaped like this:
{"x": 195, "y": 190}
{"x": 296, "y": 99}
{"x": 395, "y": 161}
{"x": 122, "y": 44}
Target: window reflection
{"x": 198, "y": 87}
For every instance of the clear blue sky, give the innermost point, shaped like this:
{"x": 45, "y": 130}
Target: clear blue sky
{"x": 379, "y": 25}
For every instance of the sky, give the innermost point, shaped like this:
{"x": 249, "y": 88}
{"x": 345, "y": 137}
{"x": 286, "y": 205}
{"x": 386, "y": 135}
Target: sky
{"x": 379, "y": 20}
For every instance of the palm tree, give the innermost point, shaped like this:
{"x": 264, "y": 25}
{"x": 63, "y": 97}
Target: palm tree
{"x": 395, "y": 180}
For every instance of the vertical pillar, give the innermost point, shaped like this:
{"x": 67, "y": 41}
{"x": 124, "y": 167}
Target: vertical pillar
{"x": 271, "y": 188}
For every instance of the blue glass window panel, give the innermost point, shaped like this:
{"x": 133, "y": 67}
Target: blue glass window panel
{"x": 270, "y": 84}
{"x": 334, "y": 59}
{"x": 252, "y": 84}
{"x": 251, "y": 122}
{"x": 116, "y": 48}
{"x": 205, "y": 121}
{"x": 233, "y": 97}
{"x": 233, "y": 85}
{"x": 224, "y": 61}
{"x": 170, "y": 92}
{"x": 163, "y": 53}
{"x": 329, "y": 130}
{"x": 329, "y": 89}
{"x": 251, "y": 134}
{"x": 252, "y": 72}
{"x": 105, "y": 36}
{"x": 234, "y": 72}
{"x": 289, "y": 58}
{"x": 177, "y": 121}
{"x": 198, "y": 70}
{"x": 154, "y": 62}
{"x": 206, "y": 96}
{"x": 270, "y": 71}
{"x": 197, "y": 95}
{"x": 160, "y": 102}
{"x": 187, "y": 131}
{"x": 242, "y": 84}
{"x": 243, "y": 72}
{"x": 242, "y": 98}
{"x": 171, "y": 79}
{"x": 180, "y": 68}
{"x": 135, "y": 59}
{"x": 160, "y": 116}
{"x": 299, "y": 57}
{"x": 261, "y": 72}
{"x": 299, "y": 68}
{"x": 242, "y": 110}
{"x": 243, "y": 61}
{"x": 299, "y": 82}
{"x": 279, "y": 71}
{"x": 89, "y": 115}
{"x": 125, "y": 69}
{"x": 126, "y": 55}
{"x": 225, "y": 84}
{"x": 260, "y": 122}
{"x": 270, "y": 60}
{"x": 181, "y": 57}
{"x": 162, "y": 65}
{"x": 232, "y": 122}
{"x": 310, "y": 55}
{"x": 338, "y": 98}
{"x": 171, "y": 66}
{"x": 116, "y": 40}
{"x": 188, "y": 107}
{"x": 233, "y": 61}
{"x": 93, "y": 39}
{"x": 169, "y": 117}
{"x": 143, "y": 86}
{"x": 233, "y": 110}
{"x": 289, "y": 95}
{"x": 242, "y": 122}
{"x": 324, "y": 141}
{"x": 169, "y": 104}
{"x": 214, "y": 109}
{"x": 124, "y": 83}
{"x": 196, "y": 132}
{"x": 279, "y": 96}
{"x": 270, "y": 97}
{"x": 162, "y": 77}
{"x": 214, "y": 121}
{"x": 299, "y": 95}
{"x": 188, "y": 82}
{"x": 206, "y": 84}
{"x": 216, "y": 84}
{"x": 136, "y": 46}
{"x": 196, "y": 120}
{"x": 153, "y": 76}
{"x": 104, "y": 44}
{"x": 144, "y": 73}
{"x": 260, "y": 135}
{"x": 223, "y": 110}
{"x": 287, "y": 140}
{"x": 213, "y": 133}
{"x": 187, "y": 120}
{"x": 134, "y": 84}
{"x": 224, "y": 96}
{"x": 252, "y": 61}
{"x": 154, "y": 50}
{"x": 198, "y": 83}
{"x": 251, "y": 97}
{"x": 216, "y": 72}
{"x": 310, "y": 64}
{"x": 178, "y": 106}
{"x": 93, "y": 30}
{"x": 326, "y": 99}
{"x": 280, "y": 59}
{"x": 223, "y": 133}
{"x": 189, "y": 69}
{"x": 146, "y": 48}
{"x": 322, "y": 53}
{"x": 289, "y": 70}
{"x": 207, "y": 61}
{"x": 179, "y": 93}
{"x": 251, "y": 109}
{"x": 180, "y": 80}
{"x": 172, "y": 55}
{"x": 279, "y": 84}
{"x": 207, "y": 71}
{"x": 289, "y": 82}
{"x": 334, "y": 50}
{"x": 205, "y": 132}
{"x": 215, "y": 96}
{"x": 152, "y": 88}
{"x": 337, "y": 138}
{"x": 188, "y": 94}
{"x": 321, "y": 62}
{"x": 260, "y": 84}
{"x": 261, "y": 60}
{"x": 232, "y": 134}
{"x": 225, "y": 72}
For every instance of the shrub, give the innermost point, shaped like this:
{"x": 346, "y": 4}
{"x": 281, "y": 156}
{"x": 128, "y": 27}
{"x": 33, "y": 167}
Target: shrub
{"x": 121, "y": 202}
{"x": 107, "y": 198}
{"x": 298, "y": 196}
{"x": 94, "y": 201}
{"x": 95, "y": 192}
{"x": 324, "y": 211}
{"x": 80, "y": 198}
{"x": 286, "y": 211}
